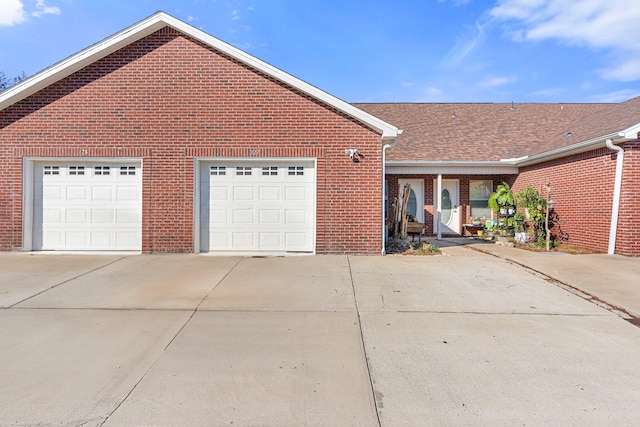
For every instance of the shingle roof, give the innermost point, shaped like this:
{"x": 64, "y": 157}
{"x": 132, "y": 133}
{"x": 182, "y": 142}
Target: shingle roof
{"x": 490, "y": 132}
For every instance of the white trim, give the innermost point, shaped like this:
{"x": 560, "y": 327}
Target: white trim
{"x": 396, "y": 167}
{"x": 198, "y": 161}
{"x": 28, "y": 182}
{"x": 154, "y": 23}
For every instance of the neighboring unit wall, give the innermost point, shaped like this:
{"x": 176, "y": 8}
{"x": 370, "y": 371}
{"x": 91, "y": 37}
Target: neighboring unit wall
{"x": 169, "y": 100}
{"x": 582, "y": 189}
{"x": 628, "y": 242}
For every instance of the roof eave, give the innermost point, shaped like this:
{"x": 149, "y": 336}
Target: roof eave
{"x": 581, "y": 147}
{"x": 154, "y": 23}
{"x": 458, "y": 167}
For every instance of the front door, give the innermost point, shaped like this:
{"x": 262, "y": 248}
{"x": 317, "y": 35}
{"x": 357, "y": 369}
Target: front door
{"x": 450, "y": 202}
{"x": 415, "y": 205}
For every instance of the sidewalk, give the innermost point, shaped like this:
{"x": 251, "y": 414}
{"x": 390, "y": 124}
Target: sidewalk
{"x": 612, "y": 279}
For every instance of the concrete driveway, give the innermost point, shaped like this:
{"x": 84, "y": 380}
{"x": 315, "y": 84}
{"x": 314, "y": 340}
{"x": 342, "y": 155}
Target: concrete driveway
{"x": 464, "y": 338}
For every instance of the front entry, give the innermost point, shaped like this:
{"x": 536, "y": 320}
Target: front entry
{"x": 415, "y": 205}
{"x": 450, "y": 202}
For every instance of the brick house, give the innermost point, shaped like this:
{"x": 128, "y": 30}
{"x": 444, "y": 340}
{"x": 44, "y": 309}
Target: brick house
{"x": 471, "y": 148}
{"x": 162, "y": 138}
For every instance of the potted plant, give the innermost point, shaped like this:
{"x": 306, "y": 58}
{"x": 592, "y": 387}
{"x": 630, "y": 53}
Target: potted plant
{"x": 502, "y": 200}
{"x": 520, "y": 235}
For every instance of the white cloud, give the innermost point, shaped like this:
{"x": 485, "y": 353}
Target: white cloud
{"x": 609, "y": 25}
{"x": 617, "y": 96}
{"x": 43, "y": 9}
{"x": 548, "y": 92}
{"x": 464, "y": 46}
{"x": 11, "y": 12}
{"x": 496, "y": 81}
{"x": 433, "y": 91}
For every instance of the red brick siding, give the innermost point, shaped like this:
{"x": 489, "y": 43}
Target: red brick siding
{"x": 169, "y": 99}
{"x": 628, "y": 242}
{"x": 582, "y": 189}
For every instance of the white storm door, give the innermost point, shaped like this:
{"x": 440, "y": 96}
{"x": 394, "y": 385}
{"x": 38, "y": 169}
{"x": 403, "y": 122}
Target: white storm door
{"x": 415, "y": 205}
{"x": 257, "y": 206}
{"x": 81, "y": 206}
{"x": 450, "y": 202}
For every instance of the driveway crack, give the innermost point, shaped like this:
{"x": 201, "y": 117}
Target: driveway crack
{"x": 374, "y": 395}
{"x": 178, "y": 332}
{"x": 66, "y": 281}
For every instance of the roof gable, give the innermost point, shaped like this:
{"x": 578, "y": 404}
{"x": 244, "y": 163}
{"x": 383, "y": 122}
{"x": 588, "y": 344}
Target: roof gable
{"x": 158, "y": 21}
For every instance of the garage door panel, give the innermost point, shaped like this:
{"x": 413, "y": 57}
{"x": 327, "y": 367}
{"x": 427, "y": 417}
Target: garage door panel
{"x": 101, "y": 194}
{"x": 75, "y": 216}
{"x": 76, "y": 193}
{"x": 102, "y": 216}
{"x": 270, "y": 216}
{"x": 269, "y": 194}
{"x": 243, "y": 193}
{"x": 100, "y": 239}
{"x": 296, "y": 194}
{"x": 87, "y": 206}
{"x": 127, "y": 193}
{"x": 243, "y": 240}
{"x": 258, "y": 206}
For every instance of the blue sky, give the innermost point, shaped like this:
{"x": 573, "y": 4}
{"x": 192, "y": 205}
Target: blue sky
{"x": 376, "y": 50}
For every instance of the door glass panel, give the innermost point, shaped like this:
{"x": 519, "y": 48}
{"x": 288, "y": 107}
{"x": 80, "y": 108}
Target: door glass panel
{"x": 412, "y": 205}
{"x": 446, "y": 206}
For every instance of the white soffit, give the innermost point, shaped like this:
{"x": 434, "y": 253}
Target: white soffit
{"x": 449, "y": 168}
{"x": 156, "y": 22}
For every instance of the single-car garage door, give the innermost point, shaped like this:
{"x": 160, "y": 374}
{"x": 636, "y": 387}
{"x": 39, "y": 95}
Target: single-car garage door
{"x": 87, "y": 206}
{"x": 257, "y": 206}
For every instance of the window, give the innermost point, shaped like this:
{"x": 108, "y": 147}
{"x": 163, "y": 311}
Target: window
{"x": 296, "y": 170}
{"x": 102, "y": 170}
{"x": 127, "y": 170}
{"x": 270, "y": 171}
{"x": 218, "y": 170}
{"x": 479, "y": 192}
{"x": 76, "y": 170}
{"x": 243, "y": 170}
{"x": 52, "y": 170}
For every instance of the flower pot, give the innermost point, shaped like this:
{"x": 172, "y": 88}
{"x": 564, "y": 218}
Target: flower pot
{"x": 522, "y": 237}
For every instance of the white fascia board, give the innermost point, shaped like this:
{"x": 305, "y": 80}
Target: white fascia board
{"x": 569, "y": 150}
{"x": 159, "y": 20}
{"x": 78, "y": 61}
{"x": 630, "y": 133}
{"x": 402, "y": 167}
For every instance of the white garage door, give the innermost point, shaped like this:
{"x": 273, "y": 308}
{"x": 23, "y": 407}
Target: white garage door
{"x": 265, "y": 206}
{"x": 87, "y": 206}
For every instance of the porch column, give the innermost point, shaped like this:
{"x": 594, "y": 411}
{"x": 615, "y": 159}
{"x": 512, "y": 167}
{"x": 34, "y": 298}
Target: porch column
{"x": 438, "y": 202}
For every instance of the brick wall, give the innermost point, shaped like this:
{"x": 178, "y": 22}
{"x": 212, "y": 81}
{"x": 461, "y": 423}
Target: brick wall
{"x": 582, "y": 189}
{"x": 169, "y": 99}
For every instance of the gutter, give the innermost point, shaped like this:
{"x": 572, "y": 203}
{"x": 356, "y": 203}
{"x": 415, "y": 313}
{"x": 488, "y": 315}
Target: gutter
{"x": 579, "y": 147}
{"x": 617, "y": 189}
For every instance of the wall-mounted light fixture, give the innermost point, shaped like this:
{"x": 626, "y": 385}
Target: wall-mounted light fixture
{"x": 354, "y": 154}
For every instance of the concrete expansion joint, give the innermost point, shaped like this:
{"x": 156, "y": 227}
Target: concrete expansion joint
{"x": 67, "y": 281}
{"x": 618, "y": 311}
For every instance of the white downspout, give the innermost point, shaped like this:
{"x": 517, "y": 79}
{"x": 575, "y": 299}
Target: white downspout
{"x": 384, "y": 157}
{"x": 617, "y": 188}
{"x": 439, "y": 210}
